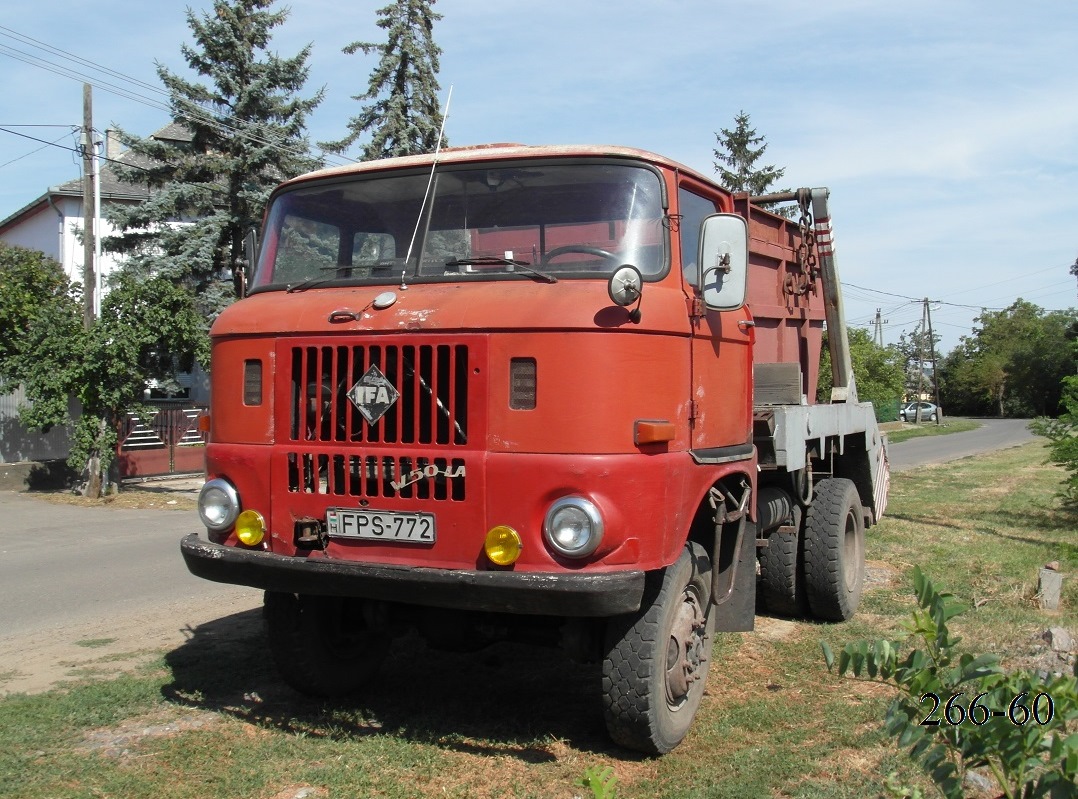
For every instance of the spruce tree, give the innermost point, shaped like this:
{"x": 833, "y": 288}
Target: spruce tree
{"x": 400, "y": 111}
{"x": 739, "y": 150}
{"x": 235, "y": 137}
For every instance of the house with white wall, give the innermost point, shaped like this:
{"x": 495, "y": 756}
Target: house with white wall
{"x": 52, "y": 222}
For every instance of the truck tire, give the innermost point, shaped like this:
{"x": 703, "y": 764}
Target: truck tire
{"x": 782, "y": 587}
{"x": 834, "y": 554}
{"x": 320, "y": 645}
{"x": 656, "y": 660}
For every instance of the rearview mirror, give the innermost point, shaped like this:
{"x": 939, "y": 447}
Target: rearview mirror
{"x": 723, "y": 261}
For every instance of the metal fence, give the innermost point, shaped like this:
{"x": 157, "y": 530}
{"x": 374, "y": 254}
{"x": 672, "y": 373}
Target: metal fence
{"x": 18, "y": 444}
{"x": 161, "y": 440}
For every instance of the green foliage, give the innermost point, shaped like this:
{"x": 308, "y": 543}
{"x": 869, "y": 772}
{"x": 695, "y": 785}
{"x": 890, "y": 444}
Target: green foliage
{"x": 916, "y": 350}
{"x": 738, "y": 151}
{"x": 143, "y": 325}
{"x": 877, "y": 371}
{"x": 32, "y": 282}
{"x": 600, "y": 781}
{"x": 1063, "y": 435}
{"x": 1030, "y": 751}
{"x": 1012, "y": 365}
{"x": 235, "y": 138}
{"x": 400, "y": 110}
{"x": 148, "y": 330}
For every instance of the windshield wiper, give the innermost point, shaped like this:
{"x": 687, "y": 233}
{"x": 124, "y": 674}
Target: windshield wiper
{"x": 511, "y": 265}
{"x": 306, "y": 284}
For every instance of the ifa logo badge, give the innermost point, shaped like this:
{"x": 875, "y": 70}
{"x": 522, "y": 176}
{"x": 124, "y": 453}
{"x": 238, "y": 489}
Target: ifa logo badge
{"x": 373, "y": 395}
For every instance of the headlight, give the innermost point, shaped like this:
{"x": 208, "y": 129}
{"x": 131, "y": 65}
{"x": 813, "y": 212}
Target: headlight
{"x": 573, "y": 527}
{"x": 218, "y": 504}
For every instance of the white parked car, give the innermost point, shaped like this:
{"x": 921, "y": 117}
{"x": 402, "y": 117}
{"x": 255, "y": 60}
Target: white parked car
{"x": 929, "y": 412}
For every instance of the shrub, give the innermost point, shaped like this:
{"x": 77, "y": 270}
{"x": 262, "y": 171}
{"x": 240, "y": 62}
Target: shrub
{"x": 1063, "y": 435}
{"x": 956, "y": 712}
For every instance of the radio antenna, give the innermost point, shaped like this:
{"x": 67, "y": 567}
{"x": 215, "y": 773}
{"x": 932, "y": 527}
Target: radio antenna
{"x": 430, "y": 181}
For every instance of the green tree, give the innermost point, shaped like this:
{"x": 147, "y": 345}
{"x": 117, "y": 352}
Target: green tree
{"x": 246, "y": 134}
{"x": 31, "y": 281}
{"x": 738, "y": 151}
{"x": 41, "y": 314}
{"x": 400, "y": 107}
{"x": 878, "y": 373}
{"x": 106, "y": 367}
{"x": 971, "y": 385}
{"x": 1014, "y": 362}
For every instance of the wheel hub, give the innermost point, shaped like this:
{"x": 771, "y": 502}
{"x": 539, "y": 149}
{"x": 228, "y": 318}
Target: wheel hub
{"x": 685, "y": 650}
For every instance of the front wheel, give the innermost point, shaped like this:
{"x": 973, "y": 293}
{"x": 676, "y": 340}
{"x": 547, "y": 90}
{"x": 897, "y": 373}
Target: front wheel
{"x": 321, "y": 644}
{"x": 657, "y": 660}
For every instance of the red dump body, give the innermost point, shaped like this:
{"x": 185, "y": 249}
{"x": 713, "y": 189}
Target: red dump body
{"x": 784, "y": 295}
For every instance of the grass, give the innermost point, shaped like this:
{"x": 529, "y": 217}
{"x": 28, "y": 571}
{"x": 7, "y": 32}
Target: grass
{"x": 211, "y": 719}
{"x": 904, "y": 431}
{"x": 94, "y": 643}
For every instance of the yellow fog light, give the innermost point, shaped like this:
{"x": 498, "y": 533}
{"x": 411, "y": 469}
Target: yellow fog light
{"x": 503, "y": 545}
{"x": 250, "y": 528}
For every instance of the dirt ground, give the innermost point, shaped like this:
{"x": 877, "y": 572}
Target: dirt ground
{"x": 45, "y": 659}
{"x": 37, "y": 662}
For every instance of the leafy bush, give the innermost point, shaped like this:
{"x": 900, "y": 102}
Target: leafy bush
{"x": 1063, "y": 435}
{"x": 956, "y": 712}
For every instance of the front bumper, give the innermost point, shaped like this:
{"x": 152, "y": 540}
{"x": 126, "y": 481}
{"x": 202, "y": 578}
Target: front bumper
{"x": 545, "y": 594}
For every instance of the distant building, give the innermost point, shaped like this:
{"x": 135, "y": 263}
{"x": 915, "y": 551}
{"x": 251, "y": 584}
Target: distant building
{"x": 51, "y": 223}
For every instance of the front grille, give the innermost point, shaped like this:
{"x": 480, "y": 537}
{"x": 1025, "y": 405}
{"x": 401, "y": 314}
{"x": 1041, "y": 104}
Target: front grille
{"x": 371, "y": 476}
{"x": 430, "y": 379}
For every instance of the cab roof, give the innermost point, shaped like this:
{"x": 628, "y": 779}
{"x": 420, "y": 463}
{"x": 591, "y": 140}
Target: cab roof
{"x": 495, "y": 152}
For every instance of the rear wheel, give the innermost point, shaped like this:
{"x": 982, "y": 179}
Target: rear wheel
{"x": 782, "y": 586}
{"x": 834, "y": 550}
{"x": 657, "y": 660}
{"x": 320, "y": 644}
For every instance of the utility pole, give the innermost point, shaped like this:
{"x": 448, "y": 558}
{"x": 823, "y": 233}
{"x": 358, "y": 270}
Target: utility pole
{"x": 932, "y": 350}
{"x": 877, "y": 336}
{"x": 920, "y": 363}
{"x": 89, "y": 212}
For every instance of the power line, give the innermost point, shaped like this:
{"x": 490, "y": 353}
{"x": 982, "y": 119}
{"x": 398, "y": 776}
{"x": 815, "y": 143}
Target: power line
{"x": 77, "y": 59}
{"x": 1009, "y": 280}
{"x": 39, "y": 149}
{"x": 196, "y": 116}
{"x": 885, "y": 293}
{"x": 78, "y": 151}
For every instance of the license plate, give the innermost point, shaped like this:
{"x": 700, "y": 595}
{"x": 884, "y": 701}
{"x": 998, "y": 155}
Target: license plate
{"x": 380, "y": 525}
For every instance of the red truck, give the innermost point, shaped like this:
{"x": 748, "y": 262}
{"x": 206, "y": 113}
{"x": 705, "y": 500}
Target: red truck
{"x": 557, "y": 394}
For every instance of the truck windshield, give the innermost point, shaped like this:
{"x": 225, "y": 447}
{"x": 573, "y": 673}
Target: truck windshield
{"x": 562, "y": 220}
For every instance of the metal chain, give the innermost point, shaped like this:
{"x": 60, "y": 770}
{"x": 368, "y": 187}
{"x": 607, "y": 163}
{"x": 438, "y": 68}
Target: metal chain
{"x": 806, "y": 254}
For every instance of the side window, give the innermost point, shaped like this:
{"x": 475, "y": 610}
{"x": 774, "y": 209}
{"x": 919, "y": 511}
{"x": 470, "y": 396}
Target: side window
{"x": 693, "y": 209}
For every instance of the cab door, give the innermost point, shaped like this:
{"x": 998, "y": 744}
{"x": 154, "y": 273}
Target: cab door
{"x": 721, "y": 346}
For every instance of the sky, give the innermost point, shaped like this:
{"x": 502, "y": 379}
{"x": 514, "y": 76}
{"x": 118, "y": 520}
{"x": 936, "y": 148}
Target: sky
{"x": 946, "y": 130}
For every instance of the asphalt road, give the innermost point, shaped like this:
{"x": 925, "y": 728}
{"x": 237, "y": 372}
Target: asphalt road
{"x": 992, "y": 435}
{"x": 65, "y": 564}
